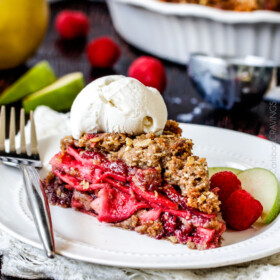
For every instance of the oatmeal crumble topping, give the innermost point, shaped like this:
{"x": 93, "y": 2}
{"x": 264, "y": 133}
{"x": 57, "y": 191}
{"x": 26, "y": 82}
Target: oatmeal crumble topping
{"x": 234, "y": 5}
{"x": 169, "y": 154}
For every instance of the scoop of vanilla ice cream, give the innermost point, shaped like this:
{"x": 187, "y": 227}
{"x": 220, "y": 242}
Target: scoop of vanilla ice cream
{"x": 118, "y": 104}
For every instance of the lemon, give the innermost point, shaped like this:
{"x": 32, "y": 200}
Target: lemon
{"x": 23, "y": 24}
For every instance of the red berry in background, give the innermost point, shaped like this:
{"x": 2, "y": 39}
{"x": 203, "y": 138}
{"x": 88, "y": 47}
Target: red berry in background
{"x": 72, "y": 24}
{"x": 262, "y": 136}
{"x": 149, "y": 71}
{"x": 241, "y": 210}
{"x": 103, "y": 52}
{"x": 227, "y": 183}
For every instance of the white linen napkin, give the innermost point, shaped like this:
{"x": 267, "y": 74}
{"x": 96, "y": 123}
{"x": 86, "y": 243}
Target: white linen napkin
{"x": 25, "y": 261}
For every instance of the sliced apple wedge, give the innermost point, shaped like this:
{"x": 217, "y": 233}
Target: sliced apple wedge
{"x": 39, "y": 76}
{"x": 213, "y": 170}
{"x": 59, "y": 95}
{"x": 263, "y": 185}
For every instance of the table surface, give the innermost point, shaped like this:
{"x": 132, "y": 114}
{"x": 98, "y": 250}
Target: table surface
{"x": 182, "y": 101}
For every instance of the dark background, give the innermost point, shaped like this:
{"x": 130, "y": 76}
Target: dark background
{"x": 182, "y": 101}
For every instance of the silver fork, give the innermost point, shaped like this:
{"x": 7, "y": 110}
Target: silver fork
{"x": 27, "y": 162}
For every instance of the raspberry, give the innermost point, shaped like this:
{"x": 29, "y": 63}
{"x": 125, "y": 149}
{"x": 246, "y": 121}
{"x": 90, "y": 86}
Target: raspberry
{"x": 71, "y": 24}
{"x": 241, "y": 210}
{"x": 227, "y": 182}
{"x": 149, "y": 71}
{"x": 170, "y": 222}
{"x": 262, "y": 136}
{"x": 103, "y": 52}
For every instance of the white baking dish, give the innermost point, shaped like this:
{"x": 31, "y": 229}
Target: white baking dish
{"x": 174, "y": 31}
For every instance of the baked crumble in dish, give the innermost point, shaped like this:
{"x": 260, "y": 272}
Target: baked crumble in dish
{"x": 150, "y": 184}
{"x": 235, "y": 5}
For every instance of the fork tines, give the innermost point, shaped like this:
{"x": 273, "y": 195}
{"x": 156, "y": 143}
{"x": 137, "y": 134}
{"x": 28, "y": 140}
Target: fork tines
{"x": 2, "y": 128}
{"x": 34, "y": 153}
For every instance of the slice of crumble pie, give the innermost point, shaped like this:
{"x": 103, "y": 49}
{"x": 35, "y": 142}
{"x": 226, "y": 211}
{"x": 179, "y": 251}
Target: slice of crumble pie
{"x": 151, "y": 184}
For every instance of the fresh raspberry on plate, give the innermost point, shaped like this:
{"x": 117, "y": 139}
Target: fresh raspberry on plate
{"x": 241, "y": 210}
{"x": 227, "y": 182}
{"x": 71, "y": 24}
{"x": 103, "y": 52}
{"x": 149, "y": 71}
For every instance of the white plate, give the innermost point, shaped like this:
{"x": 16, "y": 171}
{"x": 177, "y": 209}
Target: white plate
{"x": 82, "y": 237}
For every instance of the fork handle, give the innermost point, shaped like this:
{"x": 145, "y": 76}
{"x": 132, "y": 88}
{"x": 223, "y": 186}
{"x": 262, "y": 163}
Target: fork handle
{"x": 39, "y": 208}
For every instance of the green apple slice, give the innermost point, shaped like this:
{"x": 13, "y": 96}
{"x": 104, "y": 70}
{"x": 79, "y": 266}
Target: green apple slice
{"x": 59, "y": 95}
{"x": 263, "y": 185}
{"x": 213, "y": 170}
{"x": 36, "y": 78}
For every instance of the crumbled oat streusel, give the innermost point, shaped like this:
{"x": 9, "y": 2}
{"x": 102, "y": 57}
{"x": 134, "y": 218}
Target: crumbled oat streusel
{"x": 169, "y": 153}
